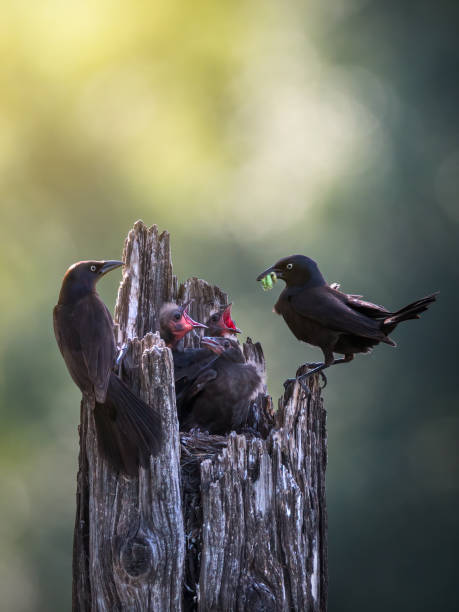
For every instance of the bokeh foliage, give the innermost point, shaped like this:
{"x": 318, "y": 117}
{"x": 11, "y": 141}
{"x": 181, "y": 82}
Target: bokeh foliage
{"x": 250, "y": 130}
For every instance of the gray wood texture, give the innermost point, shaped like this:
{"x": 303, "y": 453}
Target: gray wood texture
{"x": 217, "y": 523}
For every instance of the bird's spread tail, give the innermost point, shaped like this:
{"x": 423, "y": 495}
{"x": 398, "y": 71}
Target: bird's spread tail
{"x": 412, "y": 311}
{"x": 128, "y": 430}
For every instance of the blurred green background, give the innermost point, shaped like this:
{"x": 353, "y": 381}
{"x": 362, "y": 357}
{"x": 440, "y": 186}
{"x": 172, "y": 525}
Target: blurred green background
{"x": 250, "y": 130}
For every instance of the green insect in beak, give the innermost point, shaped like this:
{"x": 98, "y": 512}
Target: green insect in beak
{"x": 268, "y": 281}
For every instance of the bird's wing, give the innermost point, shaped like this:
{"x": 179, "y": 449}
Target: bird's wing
{"x": 186, "y": 375}
{"x": 374, "y": 311}
{"x": 201, "y": 381}
{"x": 95, "y": 329}
{"x": 189, "y": 363}
{"x": 68, "y": 340}
{"x": 58, "y": 331}
{"x": 248, "y": 384}
{"x": 323, "y": 305}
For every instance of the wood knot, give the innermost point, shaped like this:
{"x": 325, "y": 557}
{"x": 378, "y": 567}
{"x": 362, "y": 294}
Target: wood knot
{"x": 136, "y": 557}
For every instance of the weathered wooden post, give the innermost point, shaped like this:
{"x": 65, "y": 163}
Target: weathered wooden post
{"x": 216, "y": 523}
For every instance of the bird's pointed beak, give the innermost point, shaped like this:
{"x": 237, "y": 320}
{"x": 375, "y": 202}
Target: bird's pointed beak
{"x": 212, "y": 345}
{"x": 110, "y": 265}
{"x": 276, "y": 271}
{"x": 191, "y": 322}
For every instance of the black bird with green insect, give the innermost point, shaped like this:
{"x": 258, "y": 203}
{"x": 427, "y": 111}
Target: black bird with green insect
{"x": 323, "y": 316}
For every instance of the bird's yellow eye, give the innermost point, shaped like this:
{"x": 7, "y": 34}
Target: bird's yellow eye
{"x": 93, "y": 268}
{"x": 289, "y": 266}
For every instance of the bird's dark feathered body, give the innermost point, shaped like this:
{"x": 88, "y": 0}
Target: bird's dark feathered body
{"x": 323, "y": 316}
{"x": 219, "y": 398}
{"x": 189, "y": 361}
{"x": 84, "y": 333}
{"x": 128, "y": 430}
{"x": 188, "y": 365}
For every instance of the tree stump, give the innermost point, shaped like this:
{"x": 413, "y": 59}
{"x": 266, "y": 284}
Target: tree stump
{"x": 216, "y": 523}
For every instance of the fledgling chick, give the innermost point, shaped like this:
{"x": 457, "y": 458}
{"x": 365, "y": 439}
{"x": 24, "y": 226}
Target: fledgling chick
{"x": 218, "y": 400}
{"x": 175, "y": 323}
{"x": 221, "y": 324}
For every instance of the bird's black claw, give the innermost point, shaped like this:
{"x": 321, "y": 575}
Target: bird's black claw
{"x": 324, "y": 379}
{"x": 304, "y": 385}
{"x": 316, "y": 368}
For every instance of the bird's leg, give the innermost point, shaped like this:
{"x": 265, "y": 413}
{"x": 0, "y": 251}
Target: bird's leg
{"x": 346, "y": 359}
{"x": 303, "y": 385}
{"x": 316, "y": 369}
{"x": 301, "y": 379}
{"x": 320, "y": 367}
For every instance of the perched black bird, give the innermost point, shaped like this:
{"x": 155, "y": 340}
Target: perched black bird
{"x": 218, "y": 400}
{"x": 334, "y": 321}
{"x": 128, "y": 431}
{"x": 221, "y": 324}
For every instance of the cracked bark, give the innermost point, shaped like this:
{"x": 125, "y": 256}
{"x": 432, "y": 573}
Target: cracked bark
{"x": 217, "y": 522}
